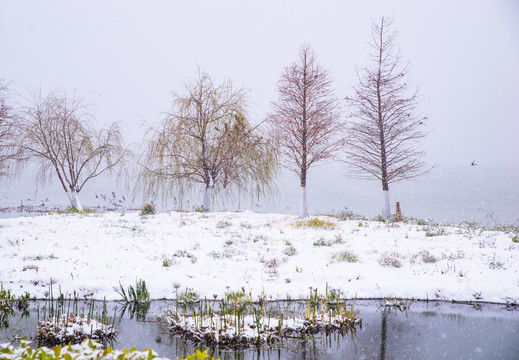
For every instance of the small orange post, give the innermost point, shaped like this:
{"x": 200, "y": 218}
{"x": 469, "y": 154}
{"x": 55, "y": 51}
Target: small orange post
{"x": 398, "y": 212}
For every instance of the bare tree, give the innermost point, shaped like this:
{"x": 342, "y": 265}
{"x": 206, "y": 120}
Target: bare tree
{"x": 384, "y": 129}
{"x": 7, "y": 151}
{"x": 57, "y": 134}
{"x": 305, "y": 118}
{"x": 207, "y": 141}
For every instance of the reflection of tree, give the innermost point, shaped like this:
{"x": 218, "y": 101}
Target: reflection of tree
{"x": 383, "y": 334}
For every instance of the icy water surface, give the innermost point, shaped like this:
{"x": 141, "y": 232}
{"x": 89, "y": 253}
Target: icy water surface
{"x": 431, "y": 330}
{"x": 486, "y": 194}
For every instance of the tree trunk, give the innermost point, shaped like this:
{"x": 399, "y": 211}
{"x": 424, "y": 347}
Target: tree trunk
{"x": 74, "y": 200}
{"x": 303, "y": 209}
{"x": 208, "y": 196}
{"x": 386, "y": 210}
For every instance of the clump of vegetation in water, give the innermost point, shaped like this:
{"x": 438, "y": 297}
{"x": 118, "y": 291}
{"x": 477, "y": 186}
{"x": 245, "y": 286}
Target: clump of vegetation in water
{"x": 9, "y": 302}
{"x": 65, "y": 322}
{"x": 316, "y": 224}
{"x": 136, "y": 295}
{"x": 70, "y": 328}
{"x": 136, "y": 299}
{"x": 237, "y": 321}
{"x": 148, "y": 209}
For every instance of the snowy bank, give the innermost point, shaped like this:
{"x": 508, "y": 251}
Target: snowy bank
{"x": 212, "y": 254}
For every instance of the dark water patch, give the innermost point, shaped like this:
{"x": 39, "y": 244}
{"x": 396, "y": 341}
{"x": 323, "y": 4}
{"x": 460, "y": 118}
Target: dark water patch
{"x": 422, "y": 331}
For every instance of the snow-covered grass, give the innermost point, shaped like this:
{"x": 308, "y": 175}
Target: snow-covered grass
{"x": 210, "y": 254}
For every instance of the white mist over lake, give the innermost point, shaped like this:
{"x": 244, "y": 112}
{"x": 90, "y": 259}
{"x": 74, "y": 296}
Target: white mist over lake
{"x": 485, "y": 194}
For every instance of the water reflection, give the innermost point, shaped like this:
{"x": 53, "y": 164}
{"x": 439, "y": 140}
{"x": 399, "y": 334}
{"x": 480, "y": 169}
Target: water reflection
{"x": 423, "y": 331}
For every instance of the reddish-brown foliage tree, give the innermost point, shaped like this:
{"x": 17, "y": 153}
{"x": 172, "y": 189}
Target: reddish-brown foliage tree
{"x": 305, "y": 118}
{"x": 384, "y": 129}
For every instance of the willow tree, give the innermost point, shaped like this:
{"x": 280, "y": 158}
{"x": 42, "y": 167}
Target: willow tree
{"x": 305, "y": 118}
{"x": 384, "y": 129}
{"x": 56, "y": 134}
{"x": 207, "y": 142}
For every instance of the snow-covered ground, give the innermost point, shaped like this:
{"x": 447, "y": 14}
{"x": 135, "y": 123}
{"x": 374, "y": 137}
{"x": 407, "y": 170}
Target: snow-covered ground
{"x": 212, "y": 254}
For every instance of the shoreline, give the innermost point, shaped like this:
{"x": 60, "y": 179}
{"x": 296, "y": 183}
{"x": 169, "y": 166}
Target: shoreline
{"x": 210, "y": 254}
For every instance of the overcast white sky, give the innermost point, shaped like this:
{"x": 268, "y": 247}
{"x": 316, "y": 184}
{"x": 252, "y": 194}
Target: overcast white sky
{"x": 131, "y": 54}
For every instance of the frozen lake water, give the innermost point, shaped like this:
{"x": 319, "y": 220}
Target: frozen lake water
{"x": 484, "y": 194}
{"x": 426, "y": 330}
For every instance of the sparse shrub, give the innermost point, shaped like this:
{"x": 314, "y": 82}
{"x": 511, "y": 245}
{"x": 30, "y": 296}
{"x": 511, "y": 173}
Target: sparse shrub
{"x": 345, "y": 256}
{"x": 41, "y": 257}
{"x": 226, "y": 254}
{"x": 390, "y": 259}
{"x": 468, "y": 225}
{"x": 246, "y": 225}
{"x": 167, "y": 262}
{"x": 31, "y": 267}
{"x": 508, "y": 229}
{"x": 184, "y": 253}
{"x": 148, "y": 209}
{"x": 379, "y": 218}
{"x": 429, "y": 232}
{"x": 495, "y": 264}
{"x": 324, "y": 242}
{"x": 345, "y": 215}
{"x": 271, "y": 264}
{"x": 427, "y": 257}
{"x": 316, "y": 223}
{"x": 259, "y": 237}
{"x": 460, "y": 254}
{"x": 290, "y": 250}
{"x": 421, "y": 222}
{"x": 223, "y": 224}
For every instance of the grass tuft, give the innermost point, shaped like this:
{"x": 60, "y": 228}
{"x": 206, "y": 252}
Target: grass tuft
{"x": 73, "y": 210}
{"x": 345, "y": 256}
{"x": 316, "y": 224}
